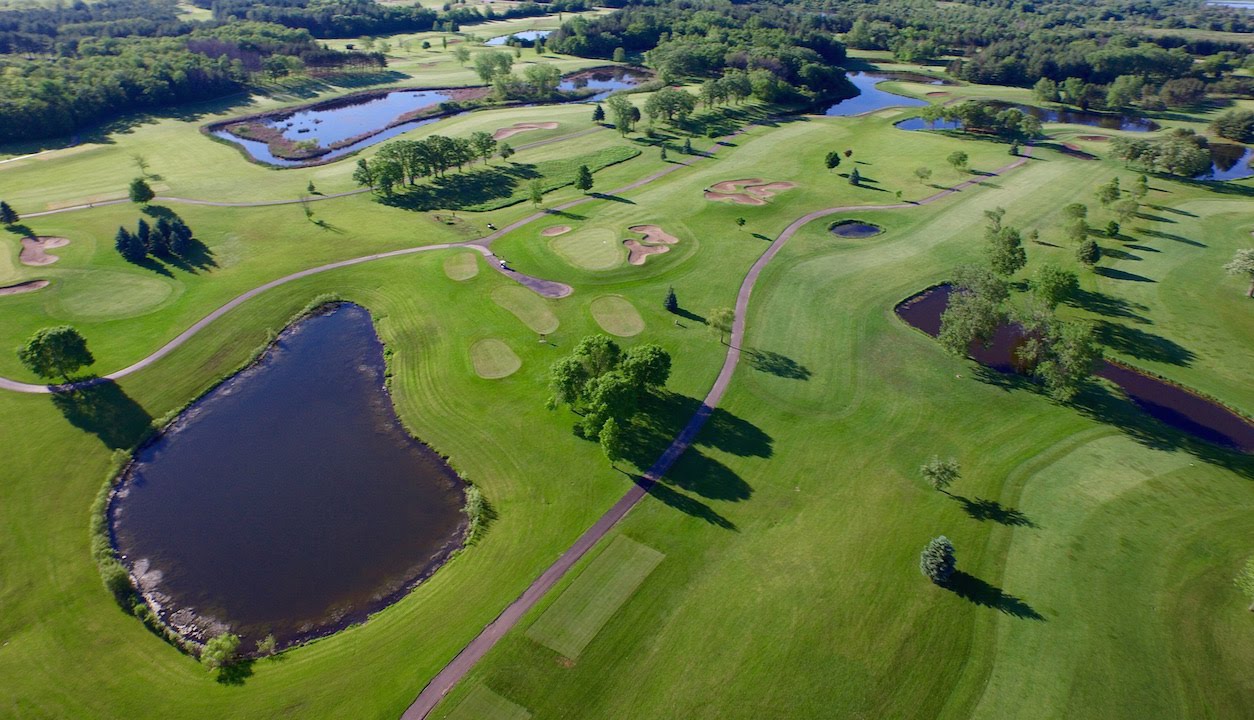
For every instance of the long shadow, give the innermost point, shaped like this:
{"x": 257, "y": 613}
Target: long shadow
{"x": 106, "y": 411}
{"x": 614, "y": 198}
{"x": 566, "y": 214}
{"x": 1118, "y": 254}
{"x": 1114, "y": 274}
{"x": 462, "y": 190}
{"x": 1174, "y": 237}
{"x": 689, "y": 315}
{"x": 1143, "y": 248}
{"x": 236, "y": 673}
{"x": 686, "y": 504}
{"x": 983, "y": 509}
{"x": 968, "y": 587}
{"x": 779, "y": 365}
{"x": 1154, "y": 218}
{"x": 1143, "y": 345}
{"x": 1108, "y": 305}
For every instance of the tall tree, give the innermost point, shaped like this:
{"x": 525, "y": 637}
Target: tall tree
{"x": 937, "y": 561}
{"x": 940, "y": 474}
{"x": 56, "y": 352}
{"x": 220, "y": 651}
{"x": 1053, "y": 285}
{"x": 461, "y": 53}
{"x": 1108, "y": 193}
{"x": 1242, "y": 264}
{"x": 621, "y": 111}
{"x": 1089, "y": 253}
{"x": 129, "y": 246}
{"x": 958, "y": 159}
{"x": 647, "y": 366}
{"x": 484, "y": 144}
{"x": 8, "y": 216}
{"x": 1005, "y": 251}
{"x": 535, "y": 192}
{"x": 721, "y": 321}
{"x": 140, "y": 192}
{"x": 583, "y": 180}
{"x": 671, "y": 303}
{"x": 613, "y": 440}
{"x": 832, "y": 160}
{"x": 598, "y": 114}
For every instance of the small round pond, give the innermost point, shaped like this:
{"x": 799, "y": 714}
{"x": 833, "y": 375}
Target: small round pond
{"x": 855, "y": 229}
{"x": 1165, "y": 401}
{"x": 288, "y": 500}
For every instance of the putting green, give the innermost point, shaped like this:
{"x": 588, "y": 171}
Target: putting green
{"x": 617, "y": 316}
{"x": 462, "y": 266}
{"x": 527, "y": 307}
{"x": 570, "y": 623}
{"x": 110, "y": 294}
{"x": 493, "y": 359}
{"x": 483, "y": 704}
{"x": 591, "y": 249}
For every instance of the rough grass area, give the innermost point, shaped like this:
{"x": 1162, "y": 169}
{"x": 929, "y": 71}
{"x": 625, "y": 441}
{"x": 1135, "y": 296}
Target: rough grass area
{"x": 493, "y": 359}
{"x": 578, "y": 614}
{"x": 617, "y": 316}
{"x": 462, "y": 266}
{"x": 532, "y": 310}
{"x": 483, "y": 704}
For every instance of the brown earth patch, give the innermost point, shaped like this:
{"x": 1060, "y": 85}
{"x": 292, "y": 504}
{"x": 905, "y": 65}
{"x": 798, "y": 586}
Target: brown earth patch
{"x": 35, "y": 250}
{"x": 638, "y": 253}
{"x": 522, "y": 127}
{"x": 654, "y": 234}
{"x": 555, "y": 231}
{"x": 750, "y": 191}
{"x": 24, "y": 287}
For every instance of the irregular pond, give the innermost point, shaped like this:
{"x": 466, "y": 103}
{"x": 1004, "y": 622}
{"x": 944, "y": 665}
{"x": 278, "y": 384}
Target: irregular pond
{"x": 1170, "y": 403}
{"x": 528, "y": 37}
{"x": 604, "y": 81}
{"x": 855, "y": 229}
{"x": 870, "y": 97}
{"x": 1107, "y": 121}
{"x": 289, "y": 500}
{"x": 1229, "y": 161}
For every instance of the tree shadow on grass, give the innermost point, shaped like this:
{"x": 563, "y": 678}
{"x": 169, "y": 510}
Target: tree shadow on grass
{"x": 1114, "y": 274}
{"x": 235, "y": 673}
{"x": 685, "y": 504}
{"x": 982, "y": 509}
{"x": 1173, "y": 237}
{"x": 1119, "y": 254}
{"x": 106, "y": 411}
{"x": 779, "y": 365}
{"x": 1143, "y": 345}
{"x": 463, "y": 190}
{"x": 613, "y": 198}
{"x": 1108, "y": 305}
{"x": 970, "y": 588}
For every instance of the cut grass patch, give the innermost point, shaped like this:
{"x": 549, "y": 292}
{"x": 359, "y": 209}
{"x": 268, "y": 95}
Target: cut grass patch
{"x": 462, "y": 266}
{"x": 591, "y": 249}
{"x": 617, "y": 316}
{"x": 483, "y": 704}
{"x": 527, "y": 307}
{"x": 108, "y": 294}
{"x": 570, "y": 623}
{"x": 493, "y": 359}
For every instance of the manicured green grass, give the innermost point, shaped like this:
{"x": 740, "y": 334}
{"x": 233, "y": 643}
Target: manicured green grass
{"x": 493, "y": 359}
{"x": 579, "y": 613}
{"x": 598, "y": 248}
{"x": 616, "y": 315}
{"x": 532, "y": 310}
{"x": 483, "y": 704}
{"x": 462, "y": 265}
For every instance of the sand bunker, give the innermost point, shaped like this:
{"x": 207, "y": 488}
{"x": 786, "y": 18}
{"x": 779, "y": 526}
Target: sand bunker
{"x": 34, "y": 250}
{"x": 638, "y": 253}
{"x": 555, "y": 231}
{"x": 751, "y": 191}
{"x": 654, "y": 234}
{"x": 28, "y": 286}
{"x": 522, "y": 127}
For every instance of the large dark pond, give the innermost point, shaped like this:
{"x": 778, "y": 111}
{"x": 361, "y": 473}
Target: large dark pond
{"x": 1165, "y": 401}
{"x": 870, "y": 97}
{"x": 1108, "y": 121}
{"x": 1229, "y": 161}
{"x": 289, "y": 500}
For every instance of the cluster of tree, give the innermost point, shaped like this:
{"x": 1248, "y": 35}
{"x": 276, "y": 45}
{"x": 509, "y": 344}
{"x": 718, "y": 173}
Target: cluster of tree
{"x": 1235, "y": 125}
{"x": 276, "y": 50}
{"x": 57, "y": 28}
{"x": 1123, "y": 92}
{"x": 170, "y": 237}
{"x": 538, "y": 82}
{"x": 704, "y": 38}
{"x": 1061, "y": 354}
{"x": 605, "y": 385}
{"x": 405, "y": 161}
{"x": 356, "y": 18}
{"x": 1179, "y": 152}
{"x": 984, "y": 116}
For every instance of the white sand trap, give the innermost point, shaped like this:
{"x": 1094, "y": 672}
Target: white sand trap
{"x": 555, "y": 231}
{"x": 654, "y": 234}
{"x": 35, "y": 250}
{"x": 749, "y": 191}
{"x": 522, "y": 127}
{"x": 28, "y": 286}
{"x": 637, "y": 253}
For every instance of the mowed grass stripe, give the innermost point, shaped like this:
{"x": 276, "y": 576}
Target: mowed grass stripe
{"x": 527, "y": 307}
{"x": 483, "y": 704}
{"x": 570, "y": 623}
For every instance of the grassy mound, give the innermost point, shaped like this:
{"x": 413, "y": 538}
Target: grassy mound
{"x": 617, "y": 316}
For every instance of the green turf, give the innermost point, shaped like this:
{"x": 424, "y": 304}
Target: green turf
{"x": 616, "y": 315}
{"x": 597, "y": 248}
{"x": 532, "y": 310}
{"x": 579, "y": 613}
{"x": 462, "y": 266}
{"x": 493, "y": 359}
{"x": 483, "y": 704}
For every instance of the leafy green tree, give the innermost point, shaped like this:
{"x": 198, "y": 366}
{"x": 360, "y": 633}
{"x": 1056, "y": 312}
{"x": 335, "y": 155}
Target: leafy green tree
{"x": 505, "y": 150}
{"x": 619, "y": 55}
{"x": 1141, "y": 187}
{"x": 1112, "y": 229}
{"x": 1125, "y": 210}
{"x": 140, "y": 192}
{"x": 55, "y": 352}
{"x": 959, "y": 160}
{"x": 267, "y": 646}
{"x": 647, "y": 366}
{"x": 975, "y": 308}
{"x": 622, "y": 112}
{"x": 1053, "y": 285}
{"x": 923, "y": 174}
{"x": 583, "y": 180}
{"x": 1075, "y": 211}
{"x": 671, "y": 303}
{"x": 461, "y": 53}
{"x": 1089, "y": 253}
{"x": 1077, "y": 92}
{"x": 937, "y": 561}
{"x": 143, "y": 233}
{"x": 670, "y": 103}
{"x": 536, "y": 192}
{"x": 721, "y": 322}
{"x": 1242, "y": 264}
{"x": 687, "y": 146}
{"x": 1125, "y": 90}
{"x": 220, "y": 651}
{"x": 1077, "y": 230}
{"x": 567, "y": 379}
{"x": 484, "y": 144}
{"x": 543, "y": 79}
{"x": 1062, "y": 354}
{"x": 1046, "y": 90}
{"x": 613, "y": 440}
{"x": 598, "y": 114}
{"x": 8, "y": 216}
{"x": 363, "y": 175}
{"x": 1235, "y": 125}
{"x": 832, "y": 161}
{"x": 492, "y": 64}
{"x": 940, "y": 474}
{"x": 662, "y": 153}
{"x": 1109, "y": 192}
{"x": 599, "y": 354}
{"x": 1005, "y": 252}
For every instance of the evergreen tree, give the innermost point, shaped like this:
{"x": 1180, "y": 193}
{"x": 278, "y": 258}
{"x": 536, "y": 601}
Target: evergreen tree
{"x": 598, "y": 114}
{"x": 143, "y": 233}
{"x": 671, "y": 303}
{"x": 855, "y": 177}
{"x": 832, "y": 161}
{"x": 140, "y": 192}
{"x": 583, "y": 180}
{"x": 8, "y": 216}
{"x": 1089, "y": 253}
{"x": 937, "y": 561}
{"x": 180, "y": 238}
{"x": 129, "y": 246}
